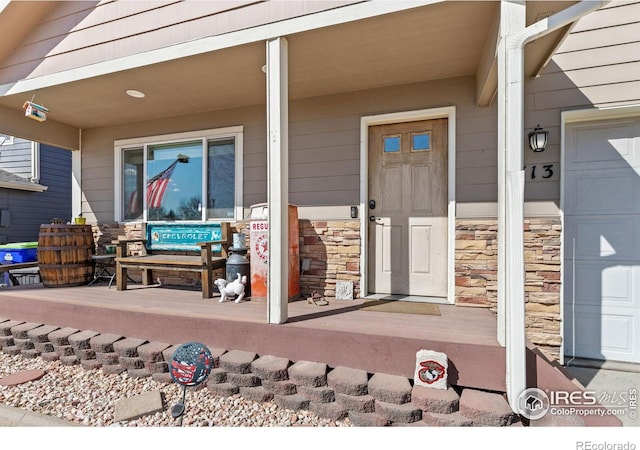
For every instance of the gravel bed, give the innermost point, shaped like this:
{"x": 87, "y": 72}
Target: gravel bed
{"x": 89, "y": 397}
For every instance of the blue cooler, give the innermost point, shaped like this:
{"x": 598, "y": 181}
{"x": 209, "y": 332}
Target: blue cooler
{"x": 18, "y": 252}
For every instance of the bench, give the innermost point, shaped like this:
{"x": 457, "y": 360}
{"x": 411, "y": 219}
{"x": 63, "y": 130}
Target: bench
{"x": 202, "y": 247}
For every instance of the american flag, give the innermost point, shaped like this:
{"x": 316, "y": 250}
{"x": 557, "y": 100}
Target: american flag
{"x": 158, "y": 185}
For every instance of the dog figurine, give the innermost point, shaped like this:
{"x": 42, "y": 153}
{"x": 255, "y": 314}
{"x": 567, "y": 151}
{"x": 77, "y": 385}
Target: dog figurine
{"x": 229, "y": 290}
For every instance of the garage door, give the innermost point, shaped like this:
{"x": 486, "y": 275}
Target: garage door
{"x": 602, "y": 240}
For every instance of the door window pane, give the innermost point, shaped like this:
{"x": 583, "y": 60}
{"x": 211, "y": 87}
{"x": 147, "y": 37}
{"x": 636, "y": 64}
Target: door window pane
{"x": 391, "y": 144}
{"x": 174, "y": 181}
{"x": 221, "y": 179}
{"x": 421, "y": 142}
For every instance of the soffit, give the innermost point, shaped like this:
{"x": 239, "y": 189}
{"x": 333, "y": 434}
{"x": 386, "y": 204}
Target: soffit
{"x": 433, "y": 42}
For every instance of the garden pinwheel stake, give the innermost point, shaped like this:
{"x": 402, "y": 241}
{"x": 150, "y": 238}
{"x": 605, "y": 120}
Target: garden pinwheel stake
{"x": 190, "y": 365}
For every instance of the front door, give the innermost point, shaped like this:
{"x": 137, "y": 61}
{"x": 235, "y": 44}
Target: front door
{"x": 408, "y": 208}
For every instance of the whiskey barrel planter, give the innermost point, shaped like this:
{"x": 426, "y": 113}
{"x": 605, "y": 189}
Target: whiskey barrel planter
{"x": 64, "y": 255}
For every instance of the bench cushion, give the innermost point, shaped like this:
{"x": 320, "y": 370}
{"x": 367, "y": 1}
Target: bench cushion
{"x": 182, "y": 237}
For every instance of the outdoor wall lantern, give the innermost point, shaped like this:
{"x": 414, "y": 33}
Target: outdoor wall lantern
{"x": 538, "y": 139}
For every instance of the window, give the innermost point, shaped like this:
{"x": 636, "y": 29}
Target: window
{"x": 391, "y": 144}
{"x": 184, "y": 177}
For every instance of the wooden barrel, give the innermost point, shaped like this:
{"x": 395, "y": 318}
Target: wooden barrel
{"x": 64, "y": 255}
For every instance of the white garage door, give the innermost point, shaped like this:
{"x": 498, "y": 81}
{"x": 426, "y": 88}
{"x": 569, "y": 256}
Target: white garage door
{"x": 602, "y": 240}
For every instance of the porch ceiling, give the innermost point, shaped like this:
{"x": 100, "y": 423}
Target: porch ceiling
{"x": 438, "y": 41}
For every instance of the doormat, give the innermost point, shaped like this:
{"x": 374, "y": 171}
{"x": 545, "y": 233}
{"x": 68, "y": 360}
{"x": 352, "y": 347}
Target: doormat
{"x": 396, "y": 306}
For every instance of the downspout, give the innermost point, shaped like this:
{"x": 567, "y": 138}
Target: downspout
{"x": 513, "y": 209}
{"x": 76, "y": 178}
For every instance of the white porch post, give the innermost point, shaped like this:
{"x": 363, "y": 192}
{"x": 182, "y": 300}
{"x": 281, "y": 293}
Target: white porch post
{"x": 511, "y": 200}
{"x": 278, "y": 180}
{"x": 511, "y": 162}
{"x": 76, "y": 179}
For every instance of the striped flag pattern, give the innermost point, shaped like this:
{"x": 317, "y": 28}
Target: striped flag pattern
{"x": 157, "y": 186}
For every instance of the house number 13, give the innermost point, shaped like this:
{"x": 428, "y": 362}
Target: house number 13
{"x": 541, "y": 171}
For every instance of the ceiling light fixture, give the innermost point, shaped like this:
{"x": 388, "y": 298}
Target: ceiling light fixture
{"x": 135, "y": 94}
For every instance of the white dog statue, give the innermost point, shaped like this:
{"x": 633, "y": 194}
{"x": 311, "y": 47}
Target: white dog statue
{"x": 229, "y": 290}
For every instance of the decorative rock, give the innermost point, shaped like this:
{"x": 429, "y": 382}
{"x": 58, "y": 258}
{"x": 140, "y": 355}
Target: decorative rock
{"x": 22, "y": 377}
{"x": 431, "y": 369}
{"x": 137, "y": 406}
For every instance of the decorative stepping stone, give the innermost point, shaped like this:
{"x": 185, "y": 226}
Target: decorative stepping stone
{"x": 22, "y": 377}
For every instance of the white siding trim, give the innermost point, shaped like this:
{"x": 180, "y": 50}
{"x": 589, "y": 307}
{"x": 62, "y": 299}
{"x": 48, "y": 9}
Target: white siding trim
{"x": 448, "y": 112}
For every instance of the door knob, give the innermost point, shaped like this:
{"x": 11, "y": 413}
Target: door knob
{"x": 372, "y": 204}
{"x": 372, "y": 218}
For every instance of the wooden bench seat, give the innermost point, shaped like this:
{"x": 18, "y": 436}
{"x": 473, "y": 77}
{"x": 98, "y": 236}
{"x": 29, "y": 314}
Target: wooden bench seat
{"x": 202, "y": 248}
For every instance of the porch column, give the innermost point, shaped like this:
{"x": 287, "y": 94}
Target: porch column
{"x": 278, "y": 180}
{"x": 76, "y": 181}
{"x": 511, "y": 321}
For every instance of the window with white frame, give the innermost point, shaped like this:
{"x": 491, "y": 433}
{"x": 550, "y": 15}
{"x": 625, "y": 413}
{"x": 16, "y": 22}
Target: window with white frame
{"x": 194, "y": 176}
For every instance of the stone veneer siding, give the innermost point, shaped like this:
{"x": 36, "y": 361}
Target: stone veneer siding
{"x": 477, "y": 280}
{"x": 333, "y": 250}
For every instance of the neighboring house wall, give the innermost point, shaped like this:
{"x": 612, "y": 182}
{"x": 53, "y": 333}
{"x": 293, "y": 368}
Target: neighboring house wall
{"x": 28, "y": 210}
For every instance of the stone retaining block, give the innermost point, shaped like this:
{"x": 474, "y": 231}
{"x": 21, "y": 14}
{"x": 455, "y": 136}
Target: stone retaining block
{"x": 348, "y": 381}
{"x": 23, "y": 344}
{"x": 44, "y": 347}
{"x": 128, "y": 347}
{"x": 256, "y": 394}
{"x": 331, "y": 411}
{"x": 435, "y": 400}
{"x": 485, "y": 408}
{"x": 308, "y": 373}
{"x": 446, "y": 420}
{"x": 152, "y": 351}
{"x": 41, "y": 334}
{"x": 60, "y": 336}
{"x": 5, "y": 327}
{"x": 103, "y": 343}
{"x": 404, "y": 413}
{"x": 243, "y": 379}
{"x": 50, "y": 356}
{"x": 237, "y": 361}
{"x": 223, "y": 389}
{"x": 271, "y": 368}
{"x": 81, "y": 339}
{"x": 284, "y": 387}
{"x": 360, "y": 419}
{"x": 390, "y": 388}
{"x": 321, "y": 394}
{"x": 20, "y": 331}
{"x": 293, "y": 402}
{"x": 357, "y": 403}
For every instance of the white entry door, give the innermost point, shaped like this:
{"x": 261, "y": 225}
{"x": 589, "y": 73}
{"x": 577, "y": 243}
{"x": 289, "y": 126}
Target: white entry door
{"x": 408, "y": 208}
{"x": 602, "y": 240}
